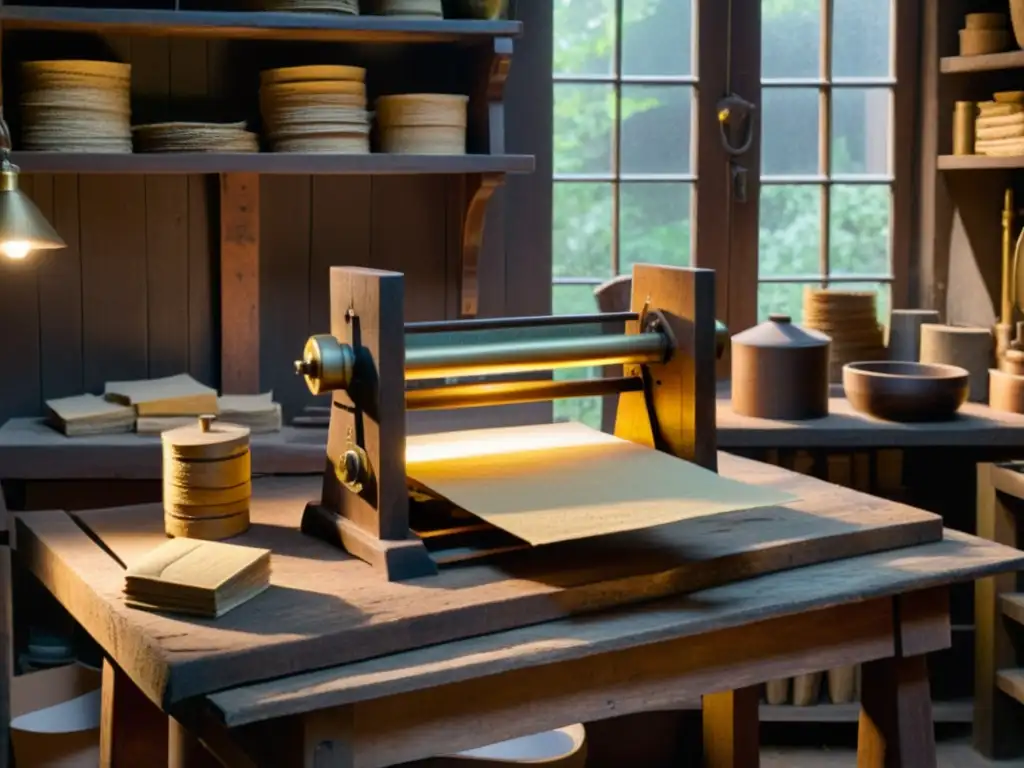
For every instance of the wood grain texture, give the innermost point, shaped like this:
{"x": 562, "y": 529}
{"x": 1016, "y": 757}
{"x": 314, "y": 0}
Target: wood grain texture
{"x": 996, "y": 729}
{"x": 240, "y": 283}
{"x": 976, "y": 425}
{"x": 896, "y": 729}
{"x": 132, "y": 730}
{"x": 730, "y": 719}
{"x": 309, "y": 600}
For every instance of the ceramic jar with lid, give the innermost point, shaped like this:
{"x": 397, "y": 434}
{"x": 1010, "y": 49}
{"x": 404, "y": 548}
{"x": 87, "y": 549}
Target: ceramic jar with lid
{"x": 780, "y": 371}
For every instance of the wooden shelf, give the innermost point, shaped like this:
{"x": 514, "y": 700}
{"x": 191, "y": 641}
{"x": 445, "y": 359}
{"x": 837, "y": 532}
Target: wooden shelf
{"x": 256, "y": 24}
{"x": 978, "y": 163}
{"x": 270, "y": 163}
{"x": 990, "y": 62}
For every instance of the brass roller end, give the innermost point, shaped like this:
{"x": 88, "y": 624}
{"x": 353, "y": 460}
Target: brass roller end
{"x": 326, "y": 364}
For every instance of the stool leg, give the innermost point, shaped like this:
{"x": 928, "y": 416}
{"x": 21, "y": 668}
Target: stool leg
{"x": 896, "y": 728}
{"x": 731, "y": 724}
{"x": 133, "y": 730}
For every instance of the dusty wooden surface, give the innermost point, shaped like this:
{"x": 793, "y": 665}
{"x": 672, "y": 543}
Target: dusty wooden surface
{"x": 976, "y": 425}
{"x": 327, "y": 608}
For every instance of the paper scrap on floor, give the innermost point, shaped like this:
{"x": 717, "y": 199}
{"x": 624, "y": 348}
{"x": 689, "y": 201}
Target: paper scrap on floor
{"x": 558, "y": 482}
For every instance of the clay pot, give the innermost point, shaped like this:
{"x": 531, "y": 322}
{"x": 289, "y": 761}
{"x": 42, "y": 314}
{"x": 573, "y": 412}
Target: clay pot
{"x": 780, "y": 371}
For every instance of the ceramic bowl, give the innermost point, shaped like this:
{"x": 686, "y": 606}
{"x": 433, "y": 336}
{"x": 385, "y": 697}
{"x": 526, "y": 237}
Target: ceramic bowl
{"x": 901, "y": 391}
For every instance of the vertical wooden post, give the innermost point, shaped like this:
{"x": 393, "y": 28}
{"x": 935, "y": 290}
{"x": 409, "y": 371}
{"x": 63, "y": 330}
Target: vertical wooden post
{"x": 996, "y": 715}
{"x": 731, "y": 738}
{"x": 133, "y": 731}
{"x": 896, "y": 728}
{"x": 240, "y": 283}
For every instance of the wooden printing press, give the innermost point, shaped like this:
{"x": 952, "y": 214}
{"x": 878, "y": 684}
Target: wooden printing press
{"x": 378, "y": 367}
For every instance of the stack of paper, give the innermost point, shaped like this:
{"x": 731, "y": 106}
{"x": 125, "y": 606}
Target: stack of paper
{"x": 88, "y": 415}
{"x": 203, "y": 578}
{"x": 257, "y": 412}
{"x": 999, "y": 129}
{"x": 179, "y": 395}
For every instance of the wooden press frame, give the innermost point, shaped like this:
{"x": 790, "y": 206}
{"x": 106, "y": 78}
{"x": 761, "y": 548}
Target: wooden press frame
{"x": 675, "y": 413}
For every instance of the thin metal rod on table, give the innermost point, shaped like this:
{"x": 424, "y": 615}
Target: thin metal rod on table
{"x": 516, "y": 392}
{"x": 534, "y": 355}
{"x": 500, "y": 323}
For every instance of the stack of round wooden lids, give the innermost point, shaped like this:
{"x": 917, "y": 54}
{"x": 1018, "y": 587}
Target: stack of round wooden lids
{"x": 344, "y": 7}
{"x": 315, "y": 109}
{"x": 207, "y": 480}
{"x": 76, "y": 106}
{"x": 430, "y": 9}
{"x": 850, "y": 319}
{"x": 194, "y": 137}
{"x": 422, "y": 123}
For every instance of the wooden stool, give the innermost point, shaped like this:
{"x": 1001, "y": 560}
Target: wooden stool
{"x": 561, "y": 748}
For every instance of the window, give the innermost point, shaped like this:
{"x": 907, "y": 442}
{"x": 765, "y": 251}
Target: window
{"x": 826, "y": 150}
{"x": 623, "y": 147}
{"x": 835, "y": 161}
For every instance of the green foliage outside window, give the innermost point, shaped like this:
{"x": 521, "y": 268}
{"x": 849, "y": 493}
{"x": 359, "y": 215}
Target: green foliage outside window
{"x": 654, "y": 217}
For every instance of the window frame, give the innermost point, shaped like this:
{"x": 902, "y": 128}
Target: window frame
{"x": 724, "y": 233}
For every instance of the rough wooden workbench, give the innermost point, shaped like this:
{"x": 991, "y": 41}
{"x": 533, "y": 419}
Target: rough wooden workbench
{"x": 885, "y": 611}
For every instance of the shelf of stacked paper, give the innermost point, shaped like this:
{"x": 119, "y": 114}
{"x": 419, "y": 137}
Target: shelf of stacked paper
{"x": 151, "y": 406}
{"x": 999, "y": 127}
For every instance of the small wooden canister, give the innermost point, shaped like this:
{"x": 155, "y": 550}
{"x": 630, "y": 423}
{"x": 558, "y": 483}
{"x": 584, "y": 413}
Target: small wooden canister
{"x": 963, "y": 128}
{"x": 422, "y": 123}
{"x": 903, "y": 336}
{"x": 1005, "y": 391}
{"x": 207, "y": 480}
{"x": 969, "y": 347}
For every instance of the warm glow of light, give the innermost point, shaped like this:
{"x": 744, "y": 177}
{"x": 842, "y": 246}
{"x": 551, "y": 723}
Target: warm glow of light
{"x": 475, "y": 443}
{"x": 15, "y": 249}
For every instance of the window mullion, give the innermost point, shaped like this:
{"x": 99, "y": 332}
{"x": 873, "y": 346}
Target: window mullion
{"x": 825, "y": 135}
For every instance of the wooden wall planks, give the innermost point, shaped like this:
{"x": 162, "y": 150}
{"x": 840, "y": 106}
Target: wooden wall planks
{"x": 136, "y": 293}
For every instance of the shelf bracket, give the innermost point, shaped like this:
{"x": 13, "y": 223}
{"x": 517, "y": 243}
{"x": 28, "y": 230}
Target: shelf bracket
{"x": 240, "y": 283}
{"x": 487, "y": 136}
{"x": 481, "y": 190}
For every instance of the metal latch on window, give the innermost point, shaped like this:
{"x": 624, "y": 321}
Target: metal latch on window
{"x": 736, "y": 123}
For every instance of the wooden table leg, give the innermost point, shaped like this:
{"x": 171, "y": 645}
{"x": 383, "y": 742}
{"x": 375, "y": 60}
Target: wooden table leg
{"x": 731, "y": 738}
{"x": 896, "y": 728}
{"x": 184, "y": 750}
{"x": 133, "y": 730}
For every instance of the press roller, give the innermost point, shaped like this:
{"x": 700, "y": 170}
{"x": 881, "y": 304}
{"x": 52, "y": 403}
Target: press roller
{"x": 378, "y": 367}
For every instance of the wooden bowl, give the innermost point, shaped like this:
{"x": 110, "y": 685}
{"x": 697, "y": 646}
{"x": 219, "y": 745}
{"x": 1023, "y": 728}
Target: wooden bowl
{"x": 908, "y": 392}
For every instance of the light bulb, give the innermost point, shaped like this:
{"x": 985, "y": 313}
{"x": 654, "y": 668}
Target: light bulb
{"x": 15, "y": 249}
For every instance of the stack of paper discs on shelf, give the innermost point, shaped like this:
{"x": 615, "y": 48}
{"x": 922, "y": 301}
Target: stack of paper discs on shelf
{"x": 315, "y": 109}
{"x": 344, "y": 7}
{"x": 850, "y": 319}
{"x": 422, "y": 123}
{"x": 999, "y": 127}
{"x": 194, "y": 137}
{"x": 207, "y": 480}
{"x": 76, "y": 106}
{"x": 425, "y": 9}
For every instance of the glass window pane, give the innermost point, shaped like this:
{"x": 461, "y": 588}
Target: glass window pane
{"x": 861, "y": 124}
{"x": 656, "y": 128}
{"x": 582, "y": 223}
{"x": 584, "y": 115}
{"x": 789, "y": 231}
{"x": 789, "y": 131}
{"x": 859, "y": 229}
{"x": 654, "y": 224}
{"x": 576, "y": 300}
{"x": 781, "y": 298}
{"x": 782, "y": 23}
{"x": 860, "y": 38}
{"x": 657, "y": 37}
{"x": 584, "y": 37}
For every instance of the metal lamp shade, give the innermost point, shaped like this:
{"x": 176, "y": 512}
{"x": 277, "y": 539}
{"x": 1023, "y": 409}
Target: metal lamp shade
{"x": 21, "y": 222}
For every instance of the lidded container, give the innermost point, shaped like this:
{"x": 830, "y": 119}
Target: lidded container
{"x": 780, "y": 371}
